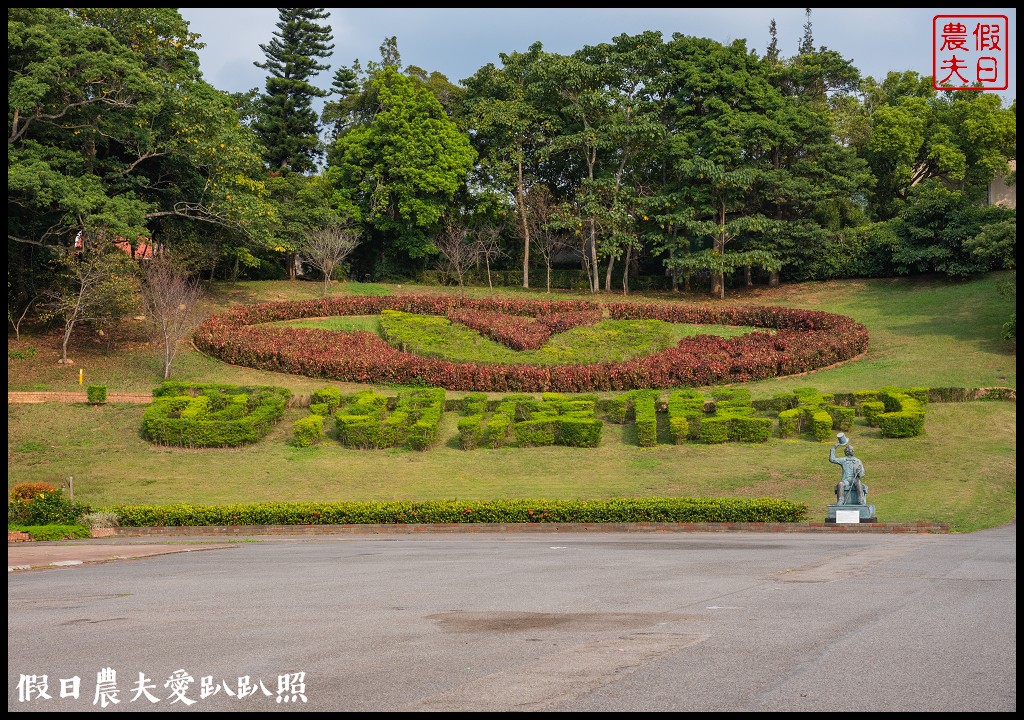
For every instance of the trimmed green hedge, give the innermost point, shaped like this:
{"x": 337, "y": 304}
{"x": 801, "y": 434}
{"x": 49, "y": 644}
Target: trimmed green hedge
{"x": 624, "y": 510}
{"x": 42, "y": 533}
{"x": 96, "y": 394}
{"x": 205, "y": 415}
{"x": 308, "y": 430}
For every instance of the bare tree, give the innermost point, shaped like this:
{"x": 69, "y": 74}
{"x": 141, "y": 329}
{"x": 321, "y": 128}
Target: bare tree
{"x": 326, "y": 248}
{"x": 17, "y": 309}
{"x": 171, "y": 299}
{"x": 459, "y": 251}
{"x": 487, "y": 239}
{"x": 549, "y": 240}
{"x": 94, "y": 284}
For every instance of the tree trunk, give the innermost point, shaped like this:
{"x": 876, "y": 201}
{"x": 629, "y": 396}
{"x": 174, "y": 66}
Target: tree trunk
{"x": 292, "y": 259}
{"x": 748, "y": 277}
{"x": 521, "y": 203}
{"x": 168, "y": 347}
{"x": 608, "y": 274}
{"x": 595, "y": 283}
{"x": 773, "y": 279}
{"x": 718, "y": 276}
{"x": 625, "y": 270}
{"x": 549, "y": 277}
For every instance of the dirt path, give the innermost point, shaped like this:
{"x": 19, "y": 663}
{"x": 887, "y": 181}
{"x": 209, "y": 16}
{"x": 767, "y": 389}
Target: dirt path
{"x": 75, "y": 397}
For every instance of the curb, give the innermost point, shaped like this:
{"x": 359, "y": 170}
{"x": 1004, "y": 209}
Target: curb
{"x": 493, "y": 528}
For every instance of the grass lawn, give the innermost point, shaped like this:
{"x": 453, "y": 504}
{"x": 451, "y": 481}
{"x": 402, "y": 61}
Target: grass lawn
{"x": 923, "y": 332}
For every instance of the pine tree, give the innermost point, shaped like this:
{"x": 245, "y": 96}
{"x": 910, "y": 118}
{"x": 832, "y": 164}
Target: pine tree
{"x": 773, "y": 45}
{"x": 288, "y": 125}
{"x": 807, "y": 41}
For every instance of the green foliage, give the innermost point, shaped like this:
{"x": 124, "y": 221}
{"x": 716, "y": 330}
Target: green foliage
{"x": 541, "y": 431}
{"x": 329, "y": 396}
{"x": 359, "y": 431}
{"x": 644, "y": 410}
{"x": 579, "y": 431}
{"x": 685, "y": 411}
{"x": 617, "y": 407}
{"x": 26, "y": 354}
{"x": 820, "y": 423}
{"x": 287, "y": 123}
{"x": 202, "y": 415}
{"x": 750, "y": 429}
{"x": 621, "y": 510}
{"x": 606, "y": 341}
{"x": 96, "y": 394}
{"x": 308, "y": 430}
{"x": 45, "y": 508}
{"x": 400, "y": 171}
{"x": 715, "y": 430}
{"x": 142, "y": 144}
{"x": 904, "y": 414}
{"x": 842, "y": 417}
{"x": 872, "y": 409}
{"x": 50, "y": 533}
{"x": 322, "y": 409}
{"x": 498, "y": 430}
{"x": 471, "y": 431}
{"x": 789, "y": 422}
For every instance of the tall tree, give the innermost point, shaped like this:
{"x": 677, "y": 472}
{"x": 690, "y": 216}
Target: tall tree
{"x": 113, "y": 133}
{"x": 807, "y": 39}
{"x": 511, "y": 127}
{"x": 724, "y": 126}
{"x": 400, "y": 172}
{"x": 772, "y": 53}
{"x": 287, "y": 123}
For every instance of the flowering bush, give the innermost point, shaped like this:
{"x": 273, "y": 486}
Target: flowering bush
{"x": 802, "y": 340}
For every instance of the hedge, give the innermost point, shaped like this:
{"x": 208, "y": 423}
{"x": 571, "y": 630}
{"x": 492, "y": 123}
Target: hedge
{"x": 205, "y": 415}
{"x": 96, "y": 394}
{"x": 624, "y": 510}
{"x": 799, "y": 341}
{"x": 308, "y": 430}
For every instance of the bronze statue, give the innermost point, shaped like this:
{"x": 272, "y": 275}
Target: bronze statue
{"x": 851, "y": 485}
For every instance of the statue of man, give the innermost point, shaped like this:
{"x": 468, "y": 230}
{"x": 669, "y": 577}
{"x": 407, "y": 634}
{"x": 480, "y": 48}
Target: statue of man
{"x": 851, "y": 484}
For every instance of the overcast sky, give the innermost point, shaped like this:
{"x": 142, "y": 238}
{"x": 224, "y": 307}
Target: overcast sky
{"x": 457, "y": 42}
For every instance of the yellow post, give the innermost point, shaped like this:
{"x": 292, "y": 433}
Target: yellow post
{"x": 80, "y": 376}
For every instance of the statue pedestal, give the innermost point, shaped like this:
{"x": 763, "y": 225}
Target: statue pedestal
{"x": 864, "y": 513}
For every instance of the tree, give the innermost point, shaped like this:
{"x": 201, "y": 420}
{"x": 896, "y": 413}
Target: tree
{"x": 772, "y": 53}
{"x": 93, "y": 284}
{"x": 487, "y": 237}
{"x": 304, "y": 206}
{"x": 399, "y": 173}
{"x": 807, "y": 39}
{"x": 326, "y": 248}
{"x": 112, "y": 130}
{"x": 287, "y": 123}
{"x": 511, "y": 127}
{"x": 549, "y": 240}
{"x": 458, "y": 250}
{"x": 171, "y": 299}
{"x": 725, "y": 125}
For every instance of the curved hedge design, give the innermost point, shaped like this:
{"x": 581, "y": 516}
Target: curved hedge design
{"x": 803, "y": 340}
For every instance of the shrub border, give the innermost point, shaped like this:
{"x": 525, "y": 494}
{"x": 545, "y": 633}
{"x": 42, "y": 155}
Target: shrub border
{"x": 803, "y": 340}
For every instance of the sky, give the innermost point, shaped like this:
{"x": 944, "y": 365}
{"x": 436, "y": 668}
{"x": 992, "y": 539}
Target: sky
{"x": 459, "y": 41}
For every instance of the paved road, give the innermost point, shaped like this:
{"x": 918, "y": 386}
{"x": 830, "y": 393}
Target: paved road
{"x": 615, "y": 622}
